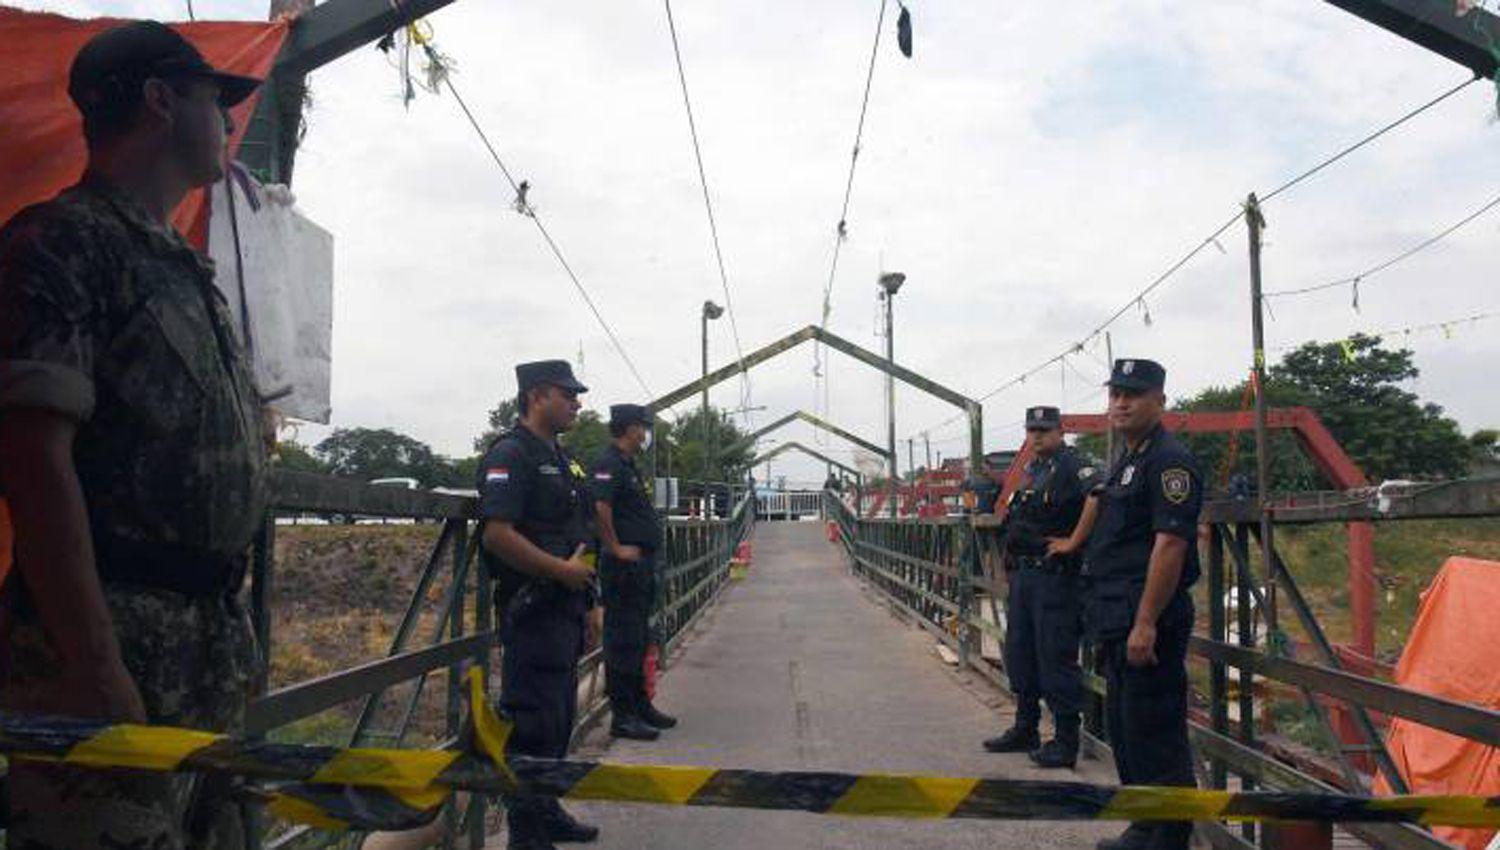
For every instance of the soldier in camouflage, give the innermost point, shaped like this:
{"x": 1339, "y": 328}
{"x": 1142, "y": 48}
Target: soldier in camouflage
{"x": 132, "y": 453}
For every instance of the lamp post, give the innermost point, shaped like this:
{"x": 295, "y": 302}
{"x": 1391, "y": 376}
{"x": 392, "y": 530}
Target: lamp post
{"x": 890, "y": 284}
{"x": 711, "y": 311}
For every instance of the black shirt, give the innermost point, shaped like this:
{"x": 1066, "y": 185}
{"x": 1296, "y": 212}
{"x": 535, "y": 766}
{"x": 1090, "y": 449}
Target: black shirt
{"x": 1153, "y": 489}
{"x": 1049, "y": 501}
{"x": 533, "y": 484}
{"x": 615, "y": 479}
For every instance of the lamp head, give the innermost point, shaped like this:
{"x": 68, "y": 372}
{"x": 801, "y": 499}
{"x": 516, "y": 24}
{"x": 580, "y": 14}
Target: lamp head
{"x": 891, "y": 282}
{"x": 712, "y": 310}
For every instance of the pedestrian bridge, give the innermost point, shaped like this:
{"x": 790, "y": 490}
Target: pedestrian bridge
{"x": 822, "y": 654}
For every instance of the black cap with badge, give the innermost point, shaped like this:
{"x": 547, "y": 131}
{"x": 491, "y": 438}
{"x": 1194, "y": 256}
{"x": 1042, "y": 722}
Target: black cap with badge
{"x": 1043, "y": 418}
{"x": 625, "y": 415}
{"x": 109, "y": 70}
{"x": 556, "y": 373}
{"x": 1138, "y": 375}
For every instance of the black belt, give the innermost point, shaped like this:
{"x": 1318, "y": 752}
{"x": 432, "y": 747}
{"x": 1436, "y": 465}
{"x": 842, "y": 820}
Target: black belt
{"x": 1056, "y": 564}
{"x": 188, "y": 570}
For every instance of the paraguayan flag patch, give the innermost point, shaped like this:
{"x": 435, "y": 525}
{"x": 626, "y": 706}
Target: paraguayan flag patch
{"x": 498, "y": 473}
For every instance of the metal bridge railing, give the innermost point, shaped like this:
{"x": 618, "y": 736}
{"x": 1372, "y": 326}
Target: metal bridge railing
{"x": 937, "y": 572}
{"x": 454, "y": 632}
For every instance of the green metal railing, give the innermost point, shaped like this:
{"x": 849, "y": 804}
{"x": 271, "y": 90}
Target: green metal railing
{"x": 456, "y": 630}
{"x": 941, "y": 573}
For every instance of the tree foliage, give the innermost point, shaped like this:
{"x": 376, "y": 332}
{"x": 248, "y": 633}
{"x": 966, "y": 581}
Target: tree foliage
{"x": 501, "y": 417}
{"x": 370, "y": 453}
{"x": 294, "y": 457}
{"x": 1355, "y": 388}
{"x": 700, "y": 447}
{"x": 587, "y": 438}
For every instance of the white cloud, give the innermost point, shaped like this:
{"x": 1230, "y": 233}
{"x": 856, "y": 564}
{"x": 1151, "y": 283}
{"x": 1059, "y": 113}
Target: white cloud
{"x": 1029, "y": 169}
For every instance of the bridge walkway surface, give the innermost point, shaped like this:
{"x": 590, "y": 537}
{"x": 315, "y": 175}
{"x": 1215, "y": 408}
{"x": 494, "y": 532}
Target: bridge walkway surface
{"x": 798, "y": 667}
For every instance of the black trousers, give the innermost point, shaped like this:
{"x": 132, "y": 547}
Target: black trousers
{"x": 1041, "y": 645}
{"x": 629, "y": 590}
{"x": 1146, "y": 714}
{"x": 542, "y": 640}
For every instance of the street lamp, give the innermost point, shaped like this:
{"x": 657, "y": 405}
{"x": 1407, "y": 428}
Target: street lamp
{"x": 711, "y": 311}
{"x": 890, "y": 284}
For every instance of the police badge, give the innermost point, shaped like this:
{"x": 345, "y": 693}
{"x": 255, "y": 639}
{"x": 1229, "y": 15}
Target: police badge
{"x": 1176, "y": 485}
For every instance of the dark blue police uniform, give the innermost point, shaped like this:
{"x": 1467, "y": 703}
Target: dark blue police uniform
{"x": 533, "y": 484}
{"x": 1152, "y": 489}
{"x": 629, "y": 587}
{"x": 1044, "y": 602}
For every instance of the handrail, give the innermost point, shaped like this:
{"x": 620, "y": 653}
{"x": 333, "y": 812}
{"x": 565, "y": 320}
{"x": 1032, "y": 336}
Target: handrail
{"x": 930, "y": 568}
{"x": 693, "y": 569}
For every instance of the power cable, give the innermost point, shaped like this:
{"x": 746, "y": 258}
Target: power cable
{"x": 1445, "y": 326}
{"x": 191, "y": 16}
{"x": 1357, "y": 279}
{"x": 1138, "y": 301}
{"x": 536, "y": 219}
{"x": 713, "y": 227}
{"x": 841, "y": 231}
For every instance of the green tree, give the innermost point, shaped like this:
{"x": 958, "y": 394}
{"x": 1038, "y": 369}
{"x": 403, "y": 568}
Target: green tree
{"x": 694, "y": 437}
{"x": 1354, "y": 386}
{"x": 294, "y": 457}
{"x": 501, "y": 417}
{"x": 1290, "y": 467}
{"x": 369, "y": 453}
{"x": 587, "y": 438}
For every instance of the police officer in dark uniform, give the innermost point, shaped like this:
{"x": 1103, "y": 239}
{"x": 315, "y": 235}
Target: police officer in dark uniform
{"x": 132, "y": 452}
{"x": 1041, "y": 636}
{"x": 1142, "y": 559}
{"x": 535, "y": 505}
{"x": 629, "y": 535}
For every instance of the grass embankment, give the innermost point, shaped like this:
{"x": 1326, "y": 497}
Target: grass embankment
{"x": 1408, "y": 555}
{"x": 338, "y": 596}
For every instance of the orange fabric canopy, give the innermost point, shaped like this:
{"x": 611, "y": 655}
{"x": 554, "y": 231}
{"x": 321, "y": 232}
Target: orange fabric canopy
{"x": 42, "y": 150}
{"x": 1451, "y": 653}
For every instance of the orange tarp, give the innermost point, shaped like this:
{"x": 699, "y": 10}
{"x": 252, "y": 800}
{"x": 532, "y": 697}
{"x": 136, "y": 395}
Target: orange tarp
{"x": 1452, "y": 653}
{"x": 41, "y": 148}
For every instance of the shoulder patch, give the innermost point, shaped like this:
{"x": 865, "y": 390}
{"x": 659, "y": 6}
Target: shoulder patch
{"x": 603, "y": 476}
{"x": 1176, "y": 485}
{"x": 496, "y": 474}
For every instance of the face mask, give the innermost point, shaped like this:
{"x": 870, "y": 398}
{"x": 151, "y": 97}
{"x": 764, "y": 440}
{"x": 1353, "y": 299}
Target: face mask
{"x": 646, "y": 441}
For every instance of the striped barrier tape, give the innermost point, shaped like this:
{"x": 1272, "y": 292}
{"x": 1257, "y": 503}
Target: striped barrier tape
{"x": 397, "y": 789}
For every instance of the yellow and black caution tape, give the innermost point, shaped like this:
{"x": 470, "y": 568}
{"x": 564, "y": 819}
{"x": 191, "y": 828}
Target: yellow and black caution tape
{"x": 395, "y": 789}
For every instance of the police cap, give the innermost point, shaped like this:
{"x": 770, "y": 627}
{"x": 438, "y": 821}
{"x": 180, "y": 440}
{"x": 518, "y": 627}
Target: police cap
{"x": 108, "y": 71}
{"x": 624, "y": 415}
{"x": 1139, "y": 375}
{"x": 556, "y": 373}
{"x": 1043, "y": 418}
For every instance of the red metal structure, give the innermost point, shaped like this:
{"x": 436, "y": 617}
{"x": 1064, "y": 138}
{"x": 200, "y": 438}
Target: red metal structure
{"x": 1320, "y": 447}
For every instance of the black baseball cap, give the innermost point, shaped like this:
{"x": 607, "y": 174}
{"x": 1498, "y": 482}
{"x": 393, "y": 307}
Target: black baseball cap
{"x": 108, "y": 71}
{"x": 623, "y": 415}
{"x": 1135, "y": 374}
{"x": 1043, "y": 418}
{"x": 557, "y": 373}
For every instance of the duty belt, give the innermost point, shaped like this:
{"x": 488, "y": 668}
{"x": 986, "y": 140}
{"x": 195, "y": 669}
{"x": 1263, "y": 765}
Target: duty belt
{"x": 188, "y": 570}
{"x": 1042, "y": 563}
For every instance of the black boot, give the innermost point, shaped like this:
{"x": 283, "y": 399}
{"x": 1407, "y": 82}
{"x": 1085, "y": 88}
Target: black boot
{"x": 1137, "y": 836}
{"x": 630, "y": 725}
{"x": 563, "y": 828}
{"x": 1062, "y": 750}
{"x": 1020, "y": 738}
{"x": 527, "y": 825}
{"x": 649, "y": 713}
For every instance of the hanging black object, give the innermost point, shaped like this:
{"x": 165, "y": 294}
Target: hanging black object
{"x": 903, "y": 32}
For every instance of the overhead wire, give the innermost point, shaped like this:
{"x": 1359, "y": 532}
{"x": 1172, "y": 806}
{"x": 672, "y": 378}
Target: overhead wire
{"x": 531, "y": 213}
{"x": 713, "y": 227}
{"x": 1446, "y": 326}
{"x": 1365, "y": 275}
{"x": 1138, "y": 300}
{"x": 841, "y": 231}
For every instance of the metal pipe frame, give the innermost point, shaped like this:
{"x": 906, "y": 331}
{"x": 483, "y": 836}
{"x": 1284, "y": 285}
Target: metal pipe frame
{"x": 793, "y": 445}
{"x": 811, "y": 419}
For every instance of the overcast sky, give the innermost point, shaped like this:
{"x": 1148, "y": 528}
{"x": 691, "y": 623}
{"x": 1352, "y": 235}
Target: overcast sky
{"x": 1029, "y": 170}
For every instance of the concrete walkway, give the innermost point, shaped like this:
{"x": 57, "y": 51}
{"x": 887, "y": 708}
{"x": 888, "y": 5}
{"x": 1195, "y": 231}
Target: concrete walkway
{"x": 799, "y": 667}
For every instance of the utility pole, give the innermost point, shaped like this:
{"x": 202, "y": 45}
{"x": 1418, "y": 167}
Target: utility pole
{"x": 927, "y": 442}
{"x": 890, "y": 284}
{"x": 1256, "y": 224}
{"x": 711, "y": 311}
{"x": 911, "y": 463}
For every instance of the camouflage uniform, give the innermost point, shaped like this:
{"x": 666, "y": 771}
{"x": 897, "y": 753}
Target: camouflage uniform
{"x": 109, "y": 317}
